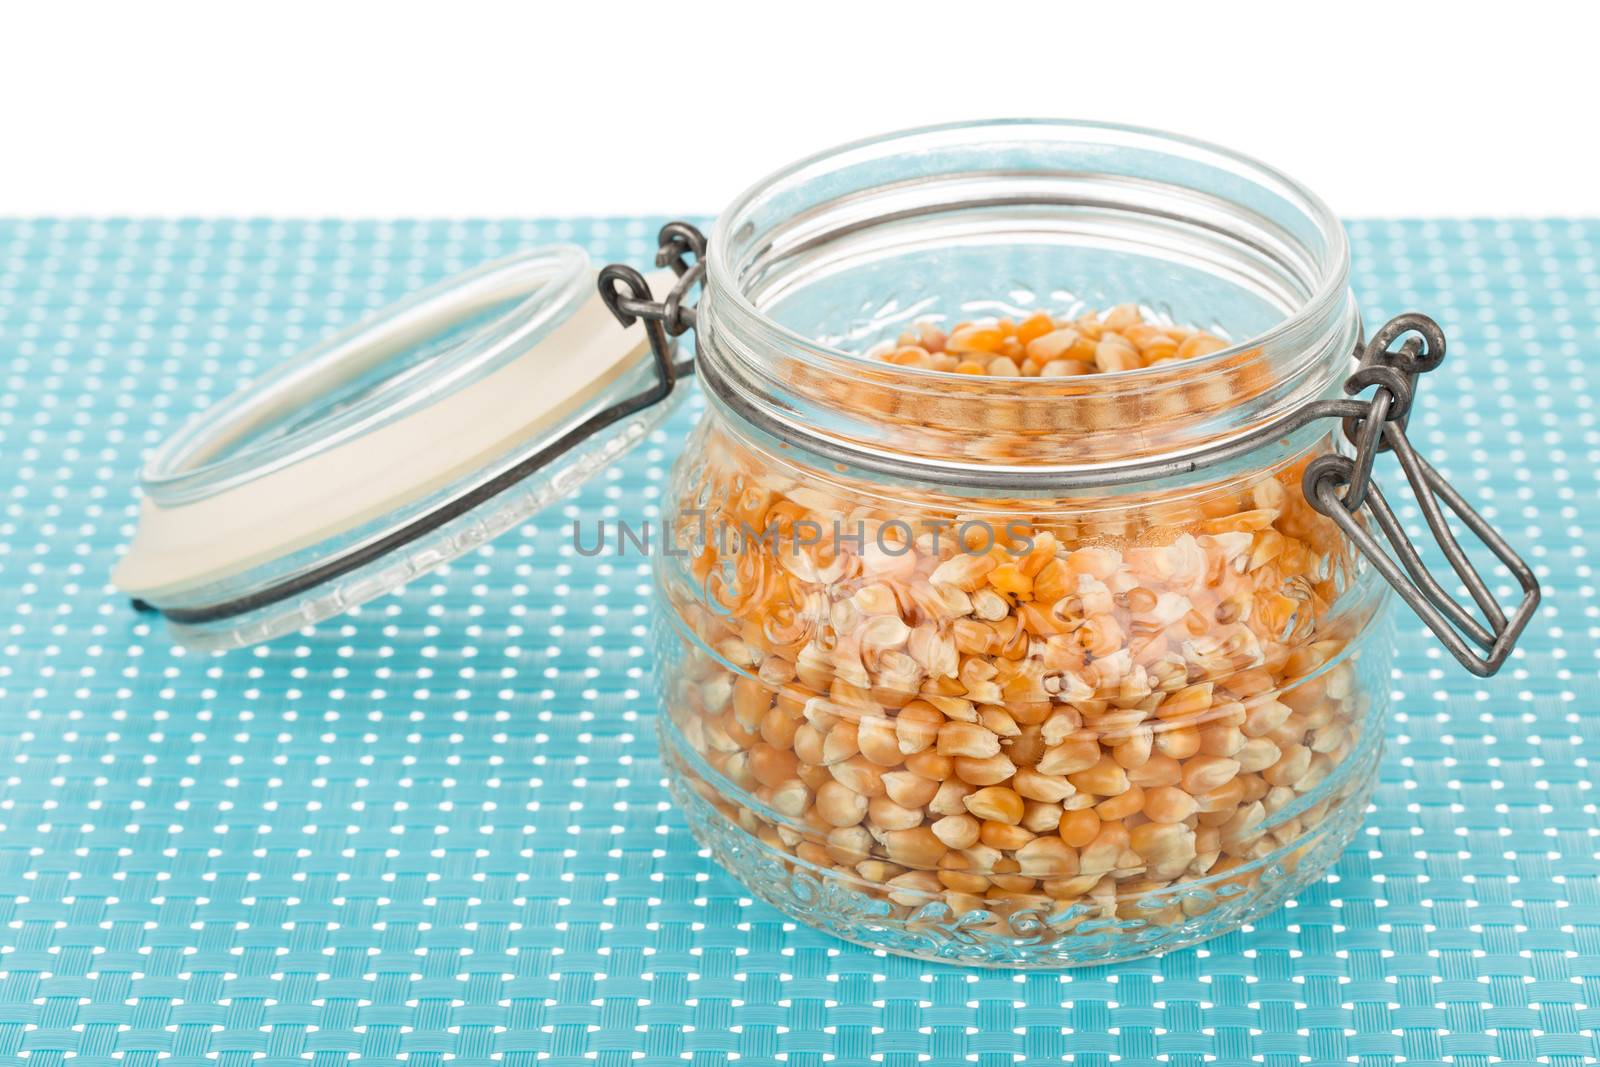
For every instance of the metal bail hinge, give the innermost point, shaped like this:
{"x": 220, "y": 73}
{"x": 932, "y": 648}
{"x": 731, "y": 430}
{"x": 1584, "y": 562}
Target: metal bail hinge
{"x": 1379, "y": 428}
{"x": 626, "y": 293}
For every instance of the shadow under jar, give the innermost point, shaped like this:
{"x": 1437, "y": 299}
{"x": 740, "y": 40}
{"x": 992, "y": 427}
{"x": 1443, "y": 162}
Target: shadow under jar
{"x": 1019, "y": 671}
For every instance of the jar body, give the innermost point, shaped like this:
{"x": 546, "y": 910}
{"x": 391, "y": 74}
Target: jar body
{"x": 1018, "y": 671}
{"x": 1014, "y": 732}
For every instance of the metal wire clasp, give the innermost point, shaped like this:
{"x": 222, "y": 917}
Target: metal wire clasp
{"x": 1339, "y": 486}
{"x": 1342, "y": 486}
{"x": 626, "y": 293}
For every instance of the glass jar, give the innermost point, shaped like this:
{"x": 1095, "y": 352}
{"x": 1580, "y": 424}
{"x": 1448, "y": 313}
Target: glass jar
{"x": 1011, "y": 671}
{"x": 1019, "y": 671}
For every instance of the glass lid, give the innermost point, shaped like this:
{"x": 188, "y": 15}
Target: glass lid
{"x": 389, "y": 449}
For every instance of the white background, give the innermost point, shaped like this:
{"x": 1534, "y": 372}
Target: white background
{"x": 585, "y": 107}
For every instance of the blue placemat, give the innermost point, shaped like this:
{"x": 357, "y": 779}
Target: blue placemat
{"x": 435, "y": 831}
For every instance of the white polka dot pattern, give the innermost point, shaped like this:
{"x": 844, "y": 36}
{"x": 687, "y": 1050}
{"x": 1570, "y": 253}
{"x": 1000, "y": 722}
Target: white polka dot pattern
{"x": 435, "y": 829}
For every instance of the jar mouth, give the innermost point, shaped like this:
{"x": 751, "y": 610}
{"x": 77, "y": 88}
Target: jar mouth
{"x": 811, "y": 265}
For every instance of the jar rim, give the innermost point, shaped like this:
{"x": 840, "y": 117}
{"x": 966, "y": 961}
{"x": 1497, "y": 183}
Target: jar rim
{"x": 1330, "y": 285}
{"x": 827, "y": 237}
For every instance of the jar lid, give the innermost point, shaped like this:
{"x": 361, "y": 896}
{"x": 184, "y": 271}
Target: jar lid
{"x": 391, "y": 448}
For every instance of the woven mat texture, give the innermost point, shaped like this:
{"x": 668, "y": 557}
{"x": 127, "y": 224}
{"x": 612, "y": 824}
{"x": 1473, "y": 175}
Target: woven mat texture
{"x": 435, "y": 831}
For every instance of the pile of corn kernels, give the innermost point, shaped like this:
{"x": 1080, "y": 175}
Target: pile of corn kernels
{"x": 1044, "y": 346}
{"x": 1102, "y": 715}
